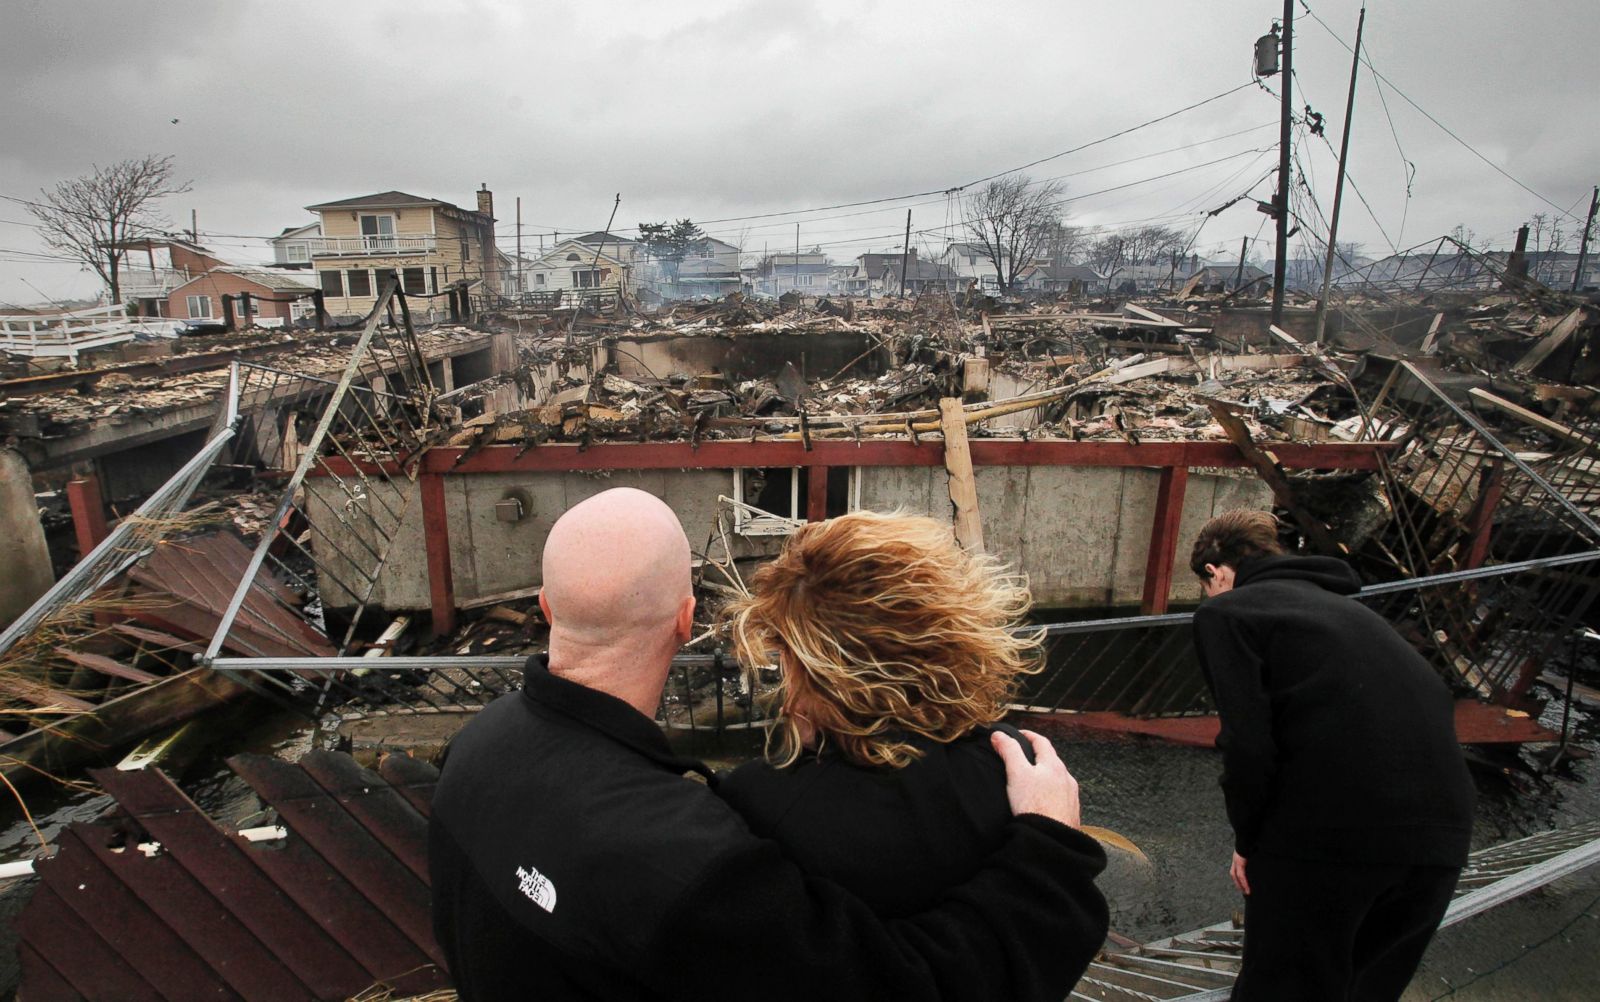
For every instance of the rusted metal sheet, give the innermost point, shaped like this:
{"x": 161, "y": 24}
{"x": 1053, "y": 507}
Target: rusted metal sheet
{"x": 339, "y": 905}
{"x": 200, "y": 573}
{"x": 1476, "y": 724}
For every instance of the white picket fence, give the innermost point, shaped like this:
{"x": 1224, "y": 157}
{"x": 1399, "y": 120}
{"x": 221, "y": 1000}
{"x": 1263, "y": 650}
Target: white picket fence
{"x": 64, "y": 335}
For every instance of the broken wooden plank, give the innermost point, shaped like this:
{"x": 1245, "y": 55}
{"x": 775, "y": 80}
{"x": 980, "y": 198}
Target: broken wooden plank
{"x": 963, "y": 485}
{"x": 1430, "y": 344}
{"x": 1544, "y": 424}
{"x": 1547, "y": 345}
{"x": 1150, "y": 315}
{"x": 1269, "y": 469}
{"x": 107, "y": 666}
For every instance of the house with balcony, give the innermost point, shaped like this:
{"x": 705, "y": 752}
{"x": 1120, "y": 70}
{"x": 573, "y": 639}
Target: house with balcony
{"x": 153, "y": 267}
{"x": 427, "y": 244}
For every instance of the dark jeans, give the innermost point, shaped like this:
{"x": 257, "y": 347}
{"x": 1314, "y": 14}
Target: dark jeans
{"x": 1341, "y": 932}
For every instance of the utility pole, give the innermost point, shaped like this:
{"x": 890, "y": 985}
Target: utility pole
{"x": 905, "y": 256}
{"x": 796, "y": 257}
{"x": 520, "y": 276}
{"x": 1583, "y": 245}
{"x": 1238, "y": 275}
{"x": 1281, "y": 201}
{"x": 194, "y": 227}
{"x": 1338, "y": 188}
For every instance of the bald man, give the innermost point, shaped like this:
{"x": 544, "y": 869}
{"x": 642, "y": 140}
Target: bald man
{"x": 573, "y": 857}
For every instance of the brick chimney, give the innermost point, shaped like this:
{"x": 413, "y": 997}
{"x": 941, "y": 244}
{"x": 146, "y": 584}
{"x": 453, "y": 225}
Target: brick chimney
{"x": 486, "y": 200}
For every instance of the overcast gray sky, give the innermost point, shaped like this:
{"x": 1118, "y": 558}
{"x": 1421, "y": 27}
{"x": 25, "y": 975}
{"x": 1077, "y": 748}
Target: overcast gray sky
{"x": 726, "y": 108}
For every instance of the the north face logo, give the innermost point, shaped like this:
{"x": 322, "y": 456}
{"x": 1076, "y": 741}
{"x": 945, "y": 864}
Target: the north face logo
{"x": 537, "y": 887}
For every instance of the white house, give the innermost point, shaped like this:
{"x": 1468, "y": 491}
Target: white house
{"x": 573, "y": 265}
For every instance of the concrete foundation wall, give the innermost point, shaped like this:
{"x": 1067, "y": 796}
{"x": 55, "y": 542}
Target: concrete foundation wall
{"x": 1081, "y": 534}
{"x": 748, "y": 356}
{"x": 488, "y": 556}
{"x": 28, "y": 572}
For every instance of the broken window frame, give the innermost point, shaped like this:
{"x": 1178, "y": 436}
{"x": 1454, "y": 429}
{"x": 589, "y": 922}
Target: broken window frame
{"x": 751, "y": 521}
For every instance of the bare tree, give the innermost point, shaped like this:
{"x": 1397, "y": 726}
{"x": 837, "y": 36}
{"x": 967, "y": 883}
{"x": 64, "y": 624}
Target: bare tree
{"x": 1010, "y": 219}
{"x": 92, "y": 218}
{"x": 1064, "y": 243}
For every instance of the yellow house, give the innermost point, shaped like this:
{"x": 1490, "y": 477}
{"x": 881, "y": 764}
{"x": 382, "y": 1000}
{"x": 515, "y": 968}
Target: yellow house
{"x": 425, "y": 243}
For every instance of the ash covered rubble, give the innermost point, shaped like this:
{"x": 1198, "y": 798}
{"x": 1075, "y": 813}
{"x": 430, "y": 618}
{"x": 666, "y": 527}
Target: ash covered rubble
{"x": 1128, "y": 373}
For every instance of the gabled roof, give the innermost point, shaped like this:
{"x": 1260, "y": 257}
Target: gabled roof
{"x": 601, "y": 236}
{"x": 1062, "y": 272}
{"x": 310, "y": 229}
{"x": 267, "y": 278}
{"x": 556, "y": 257}
{"x": 382, "y": 200}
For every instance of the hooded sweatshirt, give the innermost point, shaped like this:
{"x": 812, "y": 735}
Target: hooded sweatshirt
{"x": 1338, "y": 738}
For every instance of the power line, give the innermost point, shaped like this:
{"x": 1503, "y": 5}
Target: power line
{"x": 1367, "y": 60}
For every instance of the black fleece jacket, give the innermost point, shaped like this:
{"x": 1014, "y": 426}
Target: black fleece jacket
{"x": 571, "y": 859}
{"x": 1338, "y": 739}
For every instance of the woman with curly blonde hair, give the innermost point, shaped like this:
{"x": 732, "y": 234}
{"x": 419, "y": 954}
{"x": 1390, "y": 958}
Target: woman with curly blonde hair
{"x": 898, "y": 651}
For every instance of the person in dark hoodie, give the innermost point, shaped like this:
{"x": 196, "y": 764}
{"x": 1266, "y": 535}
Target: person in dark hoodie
{"x": 1350, "y": 802}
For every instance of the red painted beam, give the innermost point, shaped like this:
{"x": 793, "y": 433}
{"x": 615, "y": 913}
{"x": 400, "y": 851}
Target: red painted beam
{"x": 880, "y": 452}
{"x": 816, "y": 493}
{"x": 436, "y": 538}
{"x": 88, "y": 513}
{"x": 1477, "y": 723}
{"x": 1480, "y": 524}
{"x": 1164, "y": 540}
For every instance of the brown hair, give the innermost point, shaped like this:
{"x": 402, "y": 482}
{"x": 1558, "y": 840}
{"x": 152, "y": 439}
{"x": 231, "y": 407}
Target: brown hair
{"x": 885, "y": 628}
{"x": 1234, "y": 536}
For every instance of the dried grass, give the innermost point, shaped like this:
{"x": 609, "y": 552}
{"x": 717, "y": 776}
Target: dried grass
{"x": 33, "y": 669}
{"x": 383, "y": 992}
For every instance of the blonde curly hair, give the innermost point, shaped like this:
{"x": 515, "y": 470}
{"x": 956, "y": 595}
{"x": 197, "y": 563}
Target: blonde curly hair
{"x": 885, "y": 628}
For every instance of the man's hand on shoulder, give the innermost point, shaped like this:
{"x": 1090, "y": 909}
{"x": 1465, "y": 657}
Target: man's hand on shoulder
{"x": 1043, "y": 786}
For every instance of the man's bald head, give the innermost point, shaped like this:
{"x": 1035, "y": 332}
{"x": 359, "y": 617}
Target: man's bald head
{"x": 616, "y": 571}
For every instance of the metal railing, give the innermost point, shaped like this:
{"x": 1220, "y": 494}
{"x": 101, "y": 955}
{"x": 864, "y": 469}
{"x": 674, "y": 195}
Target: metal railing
{"x": 367, "y": 446}
{"x": 133, "y": 537}
{"x": 376, "y": 244}
{"x": 1460, "y": 499}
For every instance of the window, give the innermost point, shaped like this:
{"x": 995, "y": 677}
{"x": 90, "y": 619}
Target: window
{"x": 803, "y": 279}
{"x": 585, "y": 278}
{"x": 780, "y": 494}
{"x": 381, "y": 276}
{"x": 574, "y": 257}
{"x": 466, "y": 249}
{"x": 360, "y": 281}
{"x": 377, "y": 232}
{"x": 199, "y": 307}
{"x": 297, "y": 253}
{"x": 416, "y": 281}
{"x": 332, "y": 283}
{"x": 538, "y": 279}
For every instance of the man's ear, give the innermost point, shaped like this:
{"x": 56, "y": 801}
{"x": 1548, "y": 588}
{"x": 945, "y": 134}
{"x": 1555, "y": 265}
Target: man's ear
{"x": 1211, "y": 572}
{"x": 544, "y": 607}
{"x": 684, "y": 623}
